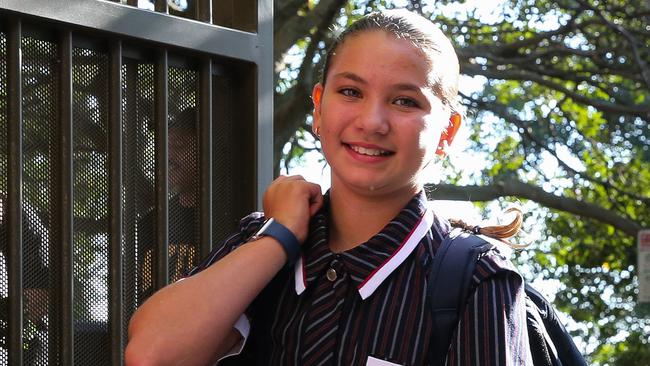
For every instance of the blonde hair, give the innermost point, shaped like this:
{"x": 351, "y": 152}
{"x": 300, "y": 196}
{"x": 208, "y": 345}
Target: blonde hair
{"x": 498, "y": 232}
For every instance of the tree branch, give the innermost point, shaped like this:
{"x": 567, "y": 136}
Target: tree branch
{"x": 285, "y": 10}
{"x": 515, "y": 188}
{"x": 298, "y": 26}
{"x": 603, "y": 105}
{"x": 512, "y": 47}
{"x": 645, "y": 71}
{"x": 501, "y": 112}
{"x": 293, "y": 105}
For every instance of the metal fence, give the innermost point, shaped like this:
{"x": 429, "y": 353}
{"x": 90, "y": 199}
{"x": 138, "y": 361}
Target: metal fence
{"x": 133, "y": 135}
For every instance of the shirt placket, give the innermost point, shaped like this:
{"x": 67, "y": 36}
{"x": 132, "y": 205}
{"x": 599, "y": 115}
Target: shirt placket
{"x": 323, "y": 317}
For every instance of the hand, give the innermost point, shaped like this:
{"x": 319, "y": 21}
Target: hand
{"x": 292, "y": 201}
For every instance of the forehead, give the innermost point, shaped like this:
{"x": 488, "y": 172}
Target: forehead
{"x": 378, "y": 53}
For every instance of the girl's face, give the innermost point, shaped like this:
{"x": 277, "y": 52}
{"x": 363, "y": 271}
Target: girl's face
{"x": 378, "y": 117}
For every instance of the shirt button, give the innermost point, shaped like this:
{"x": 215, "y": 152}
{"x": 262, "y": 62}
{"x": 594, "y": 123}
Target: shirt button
{"x": 331, "y": 274}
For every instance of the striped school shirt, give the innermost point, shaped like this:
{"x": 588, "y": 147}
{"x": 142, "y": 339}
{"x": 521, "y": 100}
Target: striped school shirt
{"x": 368, "y": 305}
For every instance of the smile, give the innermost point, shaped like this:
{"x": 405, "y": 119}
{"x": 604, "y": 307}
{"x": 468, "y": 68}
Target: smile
{"x": 369, "y": 151}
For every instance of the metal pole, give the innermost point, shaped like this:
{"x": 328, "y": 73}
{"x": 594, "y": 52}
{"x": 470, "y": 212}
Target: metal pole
{"x": 205, "y": 157}
{"x": 65, "y": 202}
{"x": 115, "y": 203}
{"x": 162, "y": 169}
{"x": 14, "y": 195}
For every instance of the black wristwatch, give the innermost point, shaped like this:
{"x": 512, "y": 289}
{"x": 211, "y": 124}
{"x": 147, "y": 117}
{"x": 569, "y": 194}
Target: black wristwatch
{"x": 283, "y": 235}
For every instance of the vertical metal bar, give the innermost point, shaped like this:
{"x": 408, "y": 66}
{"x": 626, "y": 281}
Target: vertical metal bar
{"x": 162, "y": 170}
{"x": 161, "y": 6}
{"x": 115, "y": 203}
{"x": 204, "y": 11}
{"x": 14, "y": 195}
{"x": 130, "y": 149}
{"x": 65, "y": 202}
{"x": 264, "y": 90}
{"x": 205, "y": 157}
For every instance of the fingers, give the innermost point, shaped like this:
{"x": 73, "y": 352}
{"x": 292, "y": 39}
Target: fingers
{"x": 315, "y": 199}
{"x": 292, "y": 201}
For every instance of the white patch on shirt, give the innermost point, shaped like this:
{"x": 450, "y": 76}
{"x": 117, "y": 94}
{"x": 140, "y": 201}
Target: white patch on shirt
{"x": 372, "y": 361}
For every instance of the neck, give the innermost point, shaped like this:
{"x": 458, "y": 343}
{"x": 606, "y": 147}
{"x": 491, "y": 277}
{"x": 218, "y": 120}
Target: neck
{"x": 356, "y": 218}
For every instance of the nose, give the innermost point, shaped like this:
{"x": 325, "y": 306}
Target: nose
{"x": 374, "y": 118}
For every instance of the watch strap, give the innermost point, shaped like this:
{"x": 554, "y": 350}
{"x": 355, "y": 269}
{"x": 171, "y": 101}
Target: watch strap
{"x": 284, "y": 236}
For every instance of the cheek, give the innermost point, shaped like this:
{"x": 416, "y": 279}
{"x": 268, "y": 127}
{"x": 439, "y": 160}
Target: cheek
{"x": 331, "y": 126}
{"x": 431, "y": 132}
{"x": 429, "y": 139}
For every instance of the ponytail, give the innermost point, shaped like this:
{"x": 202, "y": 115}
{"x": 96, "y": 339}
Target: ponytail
{"x": 498, "y": 232}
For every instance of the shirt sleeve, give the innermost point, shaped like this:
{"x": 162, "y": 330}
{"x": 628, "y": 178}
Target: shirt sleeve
{"x": 248, "y": 226}
{"x": 243, "y": 327}
{"x": 492, "y": 328}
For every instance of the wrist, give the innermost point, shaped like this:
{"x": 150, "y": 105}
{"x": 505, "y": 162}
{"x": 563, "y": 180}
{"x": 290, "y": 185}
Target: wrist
{"x": 283, "y": 236}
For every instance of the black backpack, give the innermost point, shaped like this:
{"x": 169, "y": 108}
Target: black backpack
{"x": 449, "y": 279}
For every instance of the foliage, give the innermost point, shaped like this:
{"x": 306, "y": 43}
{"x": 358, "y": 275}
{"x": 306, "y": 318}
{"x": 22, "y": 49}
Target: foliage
{"x": 564, "y": 107}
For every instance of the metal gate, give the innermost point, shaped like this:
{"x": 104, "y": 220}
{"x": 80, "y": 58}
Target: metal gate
{"x": 133, "y": 135}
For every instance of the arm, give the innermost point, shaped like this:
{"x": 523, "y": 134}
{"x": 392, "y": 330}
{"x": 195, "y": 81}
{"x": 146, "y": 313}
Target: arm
{"x": 191, "y": 321}
{"x": 492, "y": 328}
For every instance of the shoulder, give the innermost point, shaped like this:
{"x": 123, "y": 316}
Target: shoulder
{"x": 496, "y": 267}
{"x": 497, "y": 259}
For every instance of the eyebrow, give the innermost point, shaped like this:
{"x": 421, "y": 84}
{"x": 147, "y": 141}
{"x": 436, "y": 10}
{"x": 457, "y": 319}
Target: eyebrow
{"x": 359, "y": 79}
{"x": 351, "y": 76}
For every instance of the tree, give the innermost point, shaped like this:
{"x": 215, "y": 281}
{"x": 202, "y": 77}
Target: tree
{"x": 561, "y": 119}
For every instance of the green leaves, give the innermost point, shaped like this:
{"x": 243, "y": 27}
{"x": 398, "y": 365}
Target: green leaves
{"x": 565, "y": 106}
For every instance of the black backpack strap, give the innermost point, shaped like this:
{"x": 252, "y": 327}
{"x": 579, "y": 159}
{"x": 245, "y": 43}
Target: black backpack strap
{"x": 448, "y": 284}
{"x": 538, "y": 340}
{"x": 565, "y": 348}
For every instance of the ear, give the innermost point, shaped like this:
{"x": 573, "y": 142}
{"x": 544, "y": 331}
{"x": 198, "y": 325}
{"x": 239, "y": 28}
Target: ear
{"x": 316, "y": 97}
{"x": 448, "y": 133}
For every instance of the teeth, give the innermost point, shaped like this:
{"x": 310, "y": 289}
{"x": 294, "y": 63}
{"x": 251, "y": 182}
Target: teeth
{"x": 371, "y": 152}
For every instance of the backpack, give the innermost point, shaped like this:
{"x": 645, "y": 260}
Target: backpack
{"x": 449, "y": 279}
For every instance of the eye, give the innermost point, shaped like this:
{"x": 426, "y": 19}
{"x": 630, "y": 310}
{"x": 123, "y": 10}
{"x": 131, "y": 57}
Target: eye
{"x": 349, "y": 92}
{"x": 406, "y": 102}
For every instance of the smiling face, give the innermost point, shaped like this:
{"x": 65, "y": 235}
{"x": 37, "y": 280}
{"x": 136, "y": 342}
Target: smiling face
{"x": 378, "y": 116}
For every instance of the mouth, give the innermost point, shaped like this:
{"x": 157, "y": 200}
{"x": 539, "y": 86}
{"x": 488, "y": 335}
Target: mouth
{"x": 369, "y": 151}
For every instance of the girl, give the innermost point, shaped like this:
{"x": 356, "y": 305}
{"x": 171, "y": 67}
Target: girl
{"x": 340, "y": 279}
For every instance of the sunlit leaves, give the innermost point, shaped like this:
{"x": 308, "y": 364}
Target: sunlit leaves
{"x": 565, "y": 106}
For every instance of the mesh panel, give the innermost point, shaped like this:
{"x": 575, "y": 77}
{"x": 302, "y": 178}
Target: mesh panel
{"x": 4, "y": 282}
{"x": 183, "y": 172}
{"x": 41, "y": 244}
{"x": 40, "y": 96}
{"x": 222, "y": 137}
{"x": 90, "y": 205}
{"x": 138, "y": 180}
